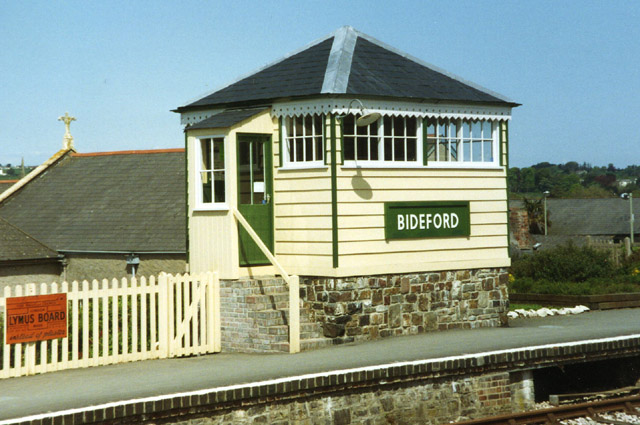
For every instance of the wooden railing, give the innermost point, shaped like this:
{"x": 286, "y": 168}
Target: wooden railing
{"x": 120, "y": 321}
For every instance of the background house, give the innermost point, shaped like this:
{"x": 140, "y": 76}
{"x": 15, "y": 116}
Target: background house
{"x": 90, "y": 212}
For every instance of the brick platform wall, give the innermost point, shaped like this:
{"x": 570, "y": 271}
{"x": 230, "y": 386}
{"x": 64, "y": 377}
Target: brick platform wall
{"x": 370, "y": 307}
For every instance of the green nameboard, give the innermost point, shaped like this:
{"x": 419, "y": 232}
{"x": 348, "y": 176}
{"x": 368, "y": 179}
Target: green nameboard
{"x": 413, "y": 220}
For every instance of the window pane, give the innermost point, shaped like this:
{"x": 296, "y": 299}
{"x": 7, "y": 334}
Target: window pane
{"x": 308, "y": 149}
{"x": 454, "y": 149}
{"x": 348, "y": 125}
{"x": 476, "y": 130}
{"x": 317, "y": 122}
{"x": 205, "y": 146}
{"x": 398, "y": 126}
{"x": 398, "y": 150}
{"x": 388, "y": 149}
{"x": 319, "y": 149}
{"x": 289, "y": 126}
{"x": 466, "y": 130}
{"x": 411, "y": 126}
{"x": 298, "y": 127}
{"x": 218, "y": 188}
{"x": 218, "y": 154}
{"x": 373, "y": 128}
{"x": 299, "y": 150}
{"x": 431, "y": 149}
{"x": 349, "y": 151}
{"x": 442, "y": 129}
{"x": 387, "y": 126}
{"x": 477, "y": 151}
{"x": 373, "y": 148}
{"x": 308, "y": 123}
{"x": 466, "y": 149}
{"x": 412, "y": 150}
{"x": 488, "y": 151}
{"x": 362, "y": 148}
{"x": 291, "y": 149}
{"x": 486, "y": 130}
{"x": 205, "y": 177}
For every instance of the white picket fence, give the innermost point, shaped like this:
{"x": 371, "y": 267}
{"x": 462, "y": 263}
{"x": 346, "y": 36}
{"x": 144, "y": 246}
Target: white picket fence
{"x": 121, "y": 321}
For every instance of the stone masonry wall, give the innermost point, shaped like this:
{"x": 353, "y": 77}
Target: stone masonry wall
{"x": 426, "y": 402}
{"x": 370, "y": 307}
{"x": 519, "y": 226}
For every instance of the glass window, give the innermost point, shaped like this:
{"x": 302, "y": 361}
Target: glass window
{"x": 304, "y": 140}
{"x": 390, "y": 139}
{"x": 455, "y": 140}
{"x": 211, "y": 171}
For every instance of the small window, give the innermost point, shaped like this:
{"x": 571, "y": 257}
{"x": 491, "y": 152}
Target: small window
{"x": 303, "y": 141}
{"x": 211, "y": 171}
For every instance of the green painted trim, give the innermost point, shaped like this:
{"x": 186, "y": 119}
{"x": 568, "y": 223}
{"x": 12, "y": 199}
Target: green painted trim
{"x": 425, "y": 148}
{"x": 419, "y": 219}
{"x": 504, "y": 139}
{"x": 280, "y": 143}
{"x": 341, "y": 141}
{"x": 334, "y": 195}
{"x": 186, "y": 193}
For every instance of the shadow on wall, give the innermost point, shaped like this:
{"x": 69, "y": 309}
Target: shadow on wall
{"x": 360, "y": 186}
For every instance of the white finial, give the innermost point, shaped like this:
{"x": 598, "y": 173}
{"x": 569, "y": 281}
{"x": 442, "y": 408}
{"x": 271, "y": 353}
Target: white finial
{"x": 67, "y": 141}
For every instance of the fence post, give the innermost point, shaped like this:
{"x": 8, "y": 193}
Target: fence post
{"x": 163, "y": 315}
{"x": 627, "y": 247}
{"x": 217, "y": 333}
{"x": 294, "y": 314}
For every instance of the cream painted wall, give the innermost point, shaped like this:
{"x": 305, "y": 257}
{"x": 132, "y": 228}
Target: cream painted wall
{"x": 302, "y": 210}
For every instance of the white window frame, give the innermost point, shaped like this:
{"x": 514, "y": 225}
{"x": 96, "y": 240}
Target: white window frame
{"x": 380, "y": 162}
{"x": 460, "y": 162}
{"x": 289, "y": 142}
{"x": 200, "y": 204}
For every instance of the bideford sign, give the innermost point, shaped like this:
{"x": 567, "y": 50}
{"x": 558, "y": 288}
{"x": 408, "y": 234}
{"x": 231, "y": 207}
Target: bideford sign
{"x": 413, "y": 220}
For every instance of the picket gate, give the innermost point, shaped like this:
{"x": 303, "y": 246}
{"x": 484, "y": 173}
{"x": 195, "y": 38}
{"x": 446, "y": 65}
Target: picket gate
{"x": 121, "y": 321}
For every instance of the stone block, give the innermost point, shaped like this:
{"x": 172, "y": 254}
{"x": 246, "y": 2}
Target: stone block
{"x": 333, "y": 330}
{"x": 405, "y": 285}
{"x": 395, "y": 316}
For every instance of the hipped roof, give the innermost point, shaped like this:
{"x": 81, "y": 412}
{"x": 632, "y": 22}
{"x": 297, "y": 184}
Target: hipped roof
{"x": 349, "y": 63}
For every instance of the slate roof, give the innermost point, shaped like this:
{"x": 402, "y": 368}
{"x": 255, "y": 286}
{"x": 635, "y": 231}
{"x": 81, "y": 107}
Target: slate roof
{"x": 15, "y": 245}
{"x": 6, "y": 184}
{"x": 227, "y": 118}
{"x": 348, "y": 62}
{"x": 596, "y": 217}
{"x": 118, "y": 201}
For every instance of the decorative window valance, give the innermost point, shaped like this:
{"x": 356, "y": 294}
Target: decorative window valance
{"x": 392, "y": 108}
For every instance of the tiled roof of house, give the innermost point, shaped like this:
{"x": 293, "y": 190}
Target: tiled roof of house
{"x": 16, "y": 245}
{"x": 6, "y": 184}
{"x": 348, "y": 62}
{"x": 596, "y": 217}
{"x": 114, "y": 201}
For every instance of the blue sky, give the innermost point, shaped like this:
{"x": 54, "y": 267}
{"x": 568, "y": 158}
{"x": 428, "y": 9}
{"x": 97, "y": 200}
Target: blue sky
{"x": 120, "y": 67}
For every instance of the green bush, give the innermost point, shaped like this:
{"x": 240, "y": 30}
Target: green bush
{"x": 567, "y": 263}
{"x": 573, "y": 270}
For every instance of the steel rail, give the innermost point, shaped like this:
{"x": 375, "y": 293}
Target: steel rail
{"x": 568, "y": 411}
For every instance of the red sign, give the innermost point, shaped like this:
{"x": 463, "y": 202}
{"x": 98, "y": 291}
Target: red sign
{"x": 36, "y": 318}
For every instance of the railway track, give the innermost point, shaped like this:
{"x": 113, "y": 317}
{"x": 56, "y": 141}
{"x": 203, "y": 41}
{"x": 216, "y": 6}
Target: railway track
{"x": 593, "y": 410}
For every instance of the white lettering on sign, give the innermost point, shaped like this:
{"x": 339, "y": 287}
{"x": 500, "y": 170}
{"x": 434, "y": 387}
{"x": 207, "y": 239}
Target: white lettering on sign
{"x": 427, "y": 220}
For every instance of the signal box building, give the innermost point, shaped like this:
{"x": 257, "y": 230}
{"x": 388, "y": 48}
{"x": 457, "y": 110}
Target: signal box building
{"x": 378, "y": 178}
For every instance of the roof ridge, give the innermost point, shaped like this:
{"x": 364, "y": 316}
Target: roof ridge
{"x": 336, "y": 77}
{"x": 35, "y": 173}
{"x": 129, "y": 152}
